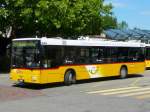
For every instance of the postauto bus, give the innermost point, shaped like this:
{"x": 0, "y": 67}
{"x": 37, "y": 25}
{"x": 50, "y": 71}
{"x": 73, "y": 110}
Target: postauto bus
{"x": 48, "y": 60}
{"x": 147, "y": 56}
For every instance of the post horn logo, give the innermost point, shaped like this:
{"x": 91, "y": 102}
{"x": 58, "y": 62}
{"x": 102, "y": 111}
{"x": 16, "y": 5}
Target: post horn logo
{"x": 93, "y": 70}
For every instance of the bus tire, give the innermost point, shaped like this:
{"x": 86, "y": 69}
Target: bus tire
{"x": 70, "y": 77}
{"x": 123, "y": 72}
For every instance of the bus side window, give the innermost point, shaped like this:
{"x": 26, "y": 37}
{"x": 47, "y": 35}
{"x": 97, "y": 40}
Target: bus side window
{"x": 136, "y": 54}
{"x": 147, "y": 53}
{"x": 140, "y": 55}
{"x": 131, "y": 54}
{"x": 52, "y": 56}
{"x": 122, "y": 54}
{"x": 97, "y": 55}
{"x": 69, "y": 55}
{"x": 93, "y": 52}
{"x": 101, "y": 55}
{"x": 114, "y": 54}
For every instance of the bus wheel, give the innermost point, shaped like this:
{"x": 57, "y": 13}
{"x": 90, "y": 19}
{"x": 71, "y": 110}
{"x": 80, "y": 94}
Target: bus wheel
{"x": 70, "y": 78}
{"x": 123, "y": 72}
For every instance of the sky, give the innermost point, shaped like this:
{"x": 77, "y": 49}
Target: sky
{"x": 135, "y": 12}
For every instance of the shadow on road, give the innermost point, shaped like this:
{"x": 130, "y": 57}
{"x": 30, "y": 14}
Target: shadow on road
{"x": 55, "y": 85}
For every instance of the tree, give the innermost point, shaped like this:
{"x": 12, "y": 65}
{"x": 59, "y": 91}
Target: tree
{"x": 108, "y": 19}
{"x": 56, "y": 17}
{"x": 123, "y": 25}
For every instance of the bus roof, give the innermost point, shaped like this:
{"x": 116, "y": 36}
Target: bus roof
{"x": 21, "y": 39}
{"x": 66, "y": 42}
{"x": 147, "y": 45}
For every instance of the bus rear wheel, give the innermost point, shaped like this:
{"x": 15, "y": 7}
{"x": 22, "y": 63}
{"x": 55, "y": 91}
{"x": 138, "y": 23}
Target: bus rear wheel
{"x": 70, "y": 78}
{"x": 123, "y": 72}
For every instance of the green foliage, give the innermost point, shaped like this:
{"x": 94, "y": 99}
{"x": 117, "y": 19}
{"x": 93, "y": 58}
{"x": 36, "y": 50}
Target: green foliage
{"x": 56, "y": 17}
{"x": 122, "y": 25}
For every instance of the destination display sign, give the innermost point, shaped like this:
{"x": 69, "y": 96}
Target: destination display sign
{"x": 25, "y": 44}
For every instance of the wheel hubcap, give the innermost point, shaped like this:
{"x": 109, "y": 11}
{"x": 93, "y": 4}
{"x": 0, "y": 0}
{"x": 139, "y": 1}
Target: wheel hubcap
{"x": 123, "y": 73}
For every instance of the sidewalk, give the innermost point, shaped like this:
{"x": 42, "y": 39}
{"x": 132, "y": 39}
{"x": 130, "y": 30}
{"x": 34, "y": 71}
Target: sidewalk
{"x": 4, "y": 74}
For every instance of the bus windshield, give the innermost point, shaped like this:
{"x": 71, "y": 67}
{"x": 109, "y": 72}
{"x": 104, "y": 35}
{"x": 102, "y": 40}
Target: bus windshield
{"x": 25, "y": 54}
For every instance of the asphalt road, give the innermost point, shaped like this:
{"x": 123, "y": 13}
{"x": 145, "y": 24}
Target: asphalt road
{"x": 99, "y": 95}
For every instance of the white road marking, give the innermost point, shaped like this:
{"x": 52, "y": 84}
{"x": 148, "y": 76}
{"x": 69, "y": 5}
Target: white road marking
{"x": 111, "y": 90}
{"x": 135, "y": 94}
{"x": 126, "y": 91}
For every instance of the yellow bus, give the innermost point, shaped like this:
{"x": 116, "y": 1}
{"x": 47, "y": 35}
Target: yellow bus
{"x": 147, "y": 56}
{"x": 48, "y": 60}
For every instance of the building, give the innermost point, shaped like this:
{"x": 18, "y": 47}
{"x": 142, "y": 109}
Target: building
{"x": 129, "y": 35}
